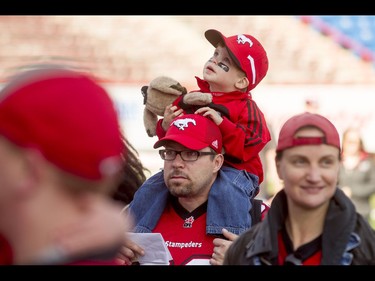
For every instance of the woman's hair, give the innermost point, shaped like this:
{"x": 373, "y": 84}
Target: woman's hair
{"x": 134, "y": 174}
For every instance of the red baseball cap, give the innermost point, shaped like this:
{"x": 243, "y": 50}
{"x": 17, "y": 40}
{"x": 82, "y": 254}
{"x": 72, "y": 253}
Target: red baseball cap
{"x": 67, "y": 116}
{"x": 287, "y": 137}
{"x": 193, "y": 131}
{"x": 246, "y": 51}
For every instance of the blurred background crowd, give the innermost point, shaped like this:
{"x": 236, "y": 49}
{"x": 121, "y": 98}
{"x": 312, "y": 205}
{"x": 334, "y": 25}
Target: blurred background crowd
{"x": 323, "y": 64}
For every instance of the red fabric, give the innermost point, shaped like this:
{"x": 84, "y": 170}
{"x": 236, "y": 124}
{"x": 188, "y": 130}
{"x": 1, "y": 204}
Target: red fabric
{"x": 49, "y": 109}
{"x": 195, "y": 132}
{"x": 290, "y": 127}
{"x": 187, "y": 245}
{"x": 6, "y": 254}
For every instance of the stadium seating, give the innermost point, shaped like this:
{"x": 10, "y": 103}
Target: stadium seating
{"x": 356, "y": 33}
{"x": 136, "y": 49}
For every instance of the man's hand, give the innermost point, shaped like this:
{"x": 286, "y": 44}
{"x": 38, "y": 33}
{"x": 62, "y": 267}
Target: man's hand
{"x": 221, "y": 246}
{"x": 130, "y": 252}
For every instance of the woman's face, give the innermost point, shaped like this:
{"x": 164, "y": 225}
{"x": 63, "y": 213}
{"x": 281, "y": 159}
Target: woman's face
{"x": 309, "y": 172}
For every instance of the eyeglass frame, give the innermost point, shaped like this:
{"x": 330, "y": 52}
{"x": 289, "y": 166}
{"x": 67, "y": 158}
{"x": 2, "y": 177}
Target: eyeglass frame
{"x": 179, "y": 152}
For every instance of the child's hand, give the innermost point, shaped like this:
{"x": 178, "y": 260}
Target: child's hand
{"x": 170, "y": 113}
{"x": 211, "y": 113}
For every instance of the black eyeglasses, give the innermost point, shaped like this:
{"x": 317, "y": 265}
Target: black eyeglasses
{"x": 186, "y": 155}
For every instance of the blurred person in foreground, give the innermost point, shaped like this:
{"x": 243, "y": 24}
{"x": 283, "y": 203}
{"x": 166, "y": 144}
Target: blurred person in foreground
{"x": 99, "y": 227}
{"x": 186, "y": 214}
{"x": 357, "y": 172}
{"x": 311, "y": 221}
{"x": 61, "y": 161}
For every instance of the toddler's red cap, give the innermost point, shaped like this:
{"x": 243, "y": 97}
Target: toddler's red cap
{"x": 287, "y": 137}
{"x": 67, "y": 116}
{"x": 247, "y": 53}
{"x": 193, "y": 131}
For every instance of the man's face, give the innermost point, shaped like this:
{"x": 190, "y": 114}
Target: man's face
{"x": 190, "y": 179}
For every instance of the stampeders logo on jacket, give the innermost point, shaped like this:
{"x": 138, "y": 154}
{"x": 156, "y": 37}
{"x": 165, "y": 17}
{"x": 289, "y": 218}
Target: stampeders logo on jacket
{"x": 188, "y": 223}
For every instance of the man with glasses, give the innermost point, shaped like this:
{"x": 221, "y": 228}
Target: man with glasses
{"x": 186, "y": 213}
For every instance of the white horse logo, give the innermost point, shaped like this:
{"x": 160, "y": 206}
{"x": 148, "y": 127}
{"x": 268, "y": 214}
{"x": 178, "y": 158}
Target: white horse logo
{"x": 181, "y": 124}
{"x": 242, "y": 39}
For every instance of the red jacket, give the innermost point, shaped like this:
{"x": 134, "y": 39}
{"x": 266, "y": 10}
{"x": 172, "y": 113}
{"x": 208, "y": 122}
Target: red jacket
{"x": 244, "y": 128}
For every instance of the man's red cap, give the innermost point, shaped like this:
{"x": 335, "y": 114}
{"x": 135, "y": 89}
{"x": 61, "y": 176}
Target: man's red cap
{"x": 195, "y": 132}
{"x": 67, "y": 116}
{"x": 246, "y": 51}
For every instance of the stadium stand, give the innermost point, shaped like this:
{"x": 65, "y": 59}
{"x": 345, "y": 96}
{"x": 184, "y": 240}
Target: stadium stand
{"x": 356, "y": 33}
{"x": 135, "y": 49}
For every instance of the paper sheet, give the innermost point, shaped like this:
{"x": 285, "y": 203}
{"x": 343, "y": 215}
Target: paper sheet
{"x": 156, "y": 252}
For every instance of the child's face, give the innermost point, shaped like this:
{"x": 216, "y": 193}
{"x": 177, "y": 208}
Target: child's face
{"x": 221, "y": 72}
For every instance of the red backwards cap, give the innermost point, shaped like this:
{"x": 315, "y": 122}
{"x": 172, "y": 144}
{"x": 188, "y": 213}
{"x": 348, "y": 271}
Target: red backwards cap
{"x": 193, "y": 131}
{"x": 287, "y": 137}
{"x": 246, "y": 52}
{"x": 65, "y": 115}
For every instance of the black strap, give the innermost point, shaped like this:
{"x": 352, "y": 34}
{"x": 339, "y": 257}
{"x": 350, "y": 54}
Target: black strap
{"x": 256, "y": 211}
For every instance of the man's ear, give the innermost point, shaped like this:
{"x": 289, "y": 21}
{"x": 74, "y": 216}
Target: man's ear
{"x": 242, "y": 83}
{"x": 219, "y": 161}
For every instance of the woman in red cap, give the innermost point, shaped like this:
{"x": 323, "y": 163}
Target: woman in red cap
{"x": 311, "y": 221}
